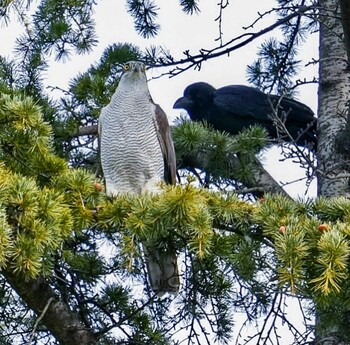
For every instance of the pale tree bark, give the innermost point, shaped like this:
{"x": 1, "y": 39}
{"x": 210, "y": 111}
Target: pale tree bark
{"x": 333, "y": 95}
{"x": 345, "y": 18}
{"x": 333, "y": 98}
{"x": 265, "y": 181}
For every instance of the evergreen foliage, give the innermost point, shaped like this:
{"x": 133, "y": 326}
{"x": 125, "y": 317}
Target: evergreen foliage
{"x": 190, "y": 6}
{"x": 224, "y": 158}
{"x": 144, "y": 13}
{"x": 58, "y": 229}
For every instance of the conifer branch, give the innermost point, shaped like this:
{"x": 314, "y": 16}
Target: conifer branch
{"x": 58, "y": 318}
{"x": 86, "y": 130}
{"x": 265, "y": 181}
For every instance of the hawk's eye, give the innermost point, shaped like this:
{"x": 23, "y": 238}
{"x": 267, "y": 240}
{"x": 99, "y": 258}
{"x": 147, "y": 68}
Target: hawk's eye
{"x": 126, "y": 67}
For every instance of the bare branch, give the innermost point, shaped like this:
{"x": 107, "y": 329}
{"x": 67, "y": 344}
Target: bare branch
{"x": 39, "y": 319}
{"x": 222, "y": 5}
{"x": 87, "y": 130}
{"x": 195, "y": 61}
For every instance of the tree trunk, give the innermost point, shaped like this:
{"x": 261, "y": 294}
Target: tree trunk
{"x": 333, "y": 169}
{"x": 345, "y": 18}
{"x": 333, "y": 95}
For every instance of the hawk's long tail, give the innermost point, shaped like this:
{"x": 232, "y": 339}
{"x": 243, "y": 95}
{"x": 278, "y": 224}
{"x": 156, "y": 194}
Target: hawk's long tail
{"x": 162, "y": 270}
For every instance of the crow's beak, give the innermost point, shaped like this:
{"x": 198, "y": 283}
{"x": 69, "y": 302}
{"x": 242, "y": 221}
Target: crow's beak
{"x": 183, "y": 103}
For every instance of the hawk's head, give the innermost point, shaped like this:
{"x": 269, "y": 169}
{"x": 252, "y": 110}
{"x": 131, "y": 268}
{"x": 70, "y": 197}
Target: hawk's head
{"x": 134, "y": 69}
{"x": 133, "y": 76}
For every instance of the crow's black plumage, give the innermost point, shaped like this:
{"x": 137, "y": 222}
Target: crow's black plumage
{"x": 235, "y": 107}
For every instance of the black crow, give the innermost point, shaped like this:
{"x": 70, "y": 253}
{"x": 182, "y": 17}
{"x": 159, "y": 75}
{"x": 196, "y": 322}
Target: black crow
{"x": 235, "y": 107}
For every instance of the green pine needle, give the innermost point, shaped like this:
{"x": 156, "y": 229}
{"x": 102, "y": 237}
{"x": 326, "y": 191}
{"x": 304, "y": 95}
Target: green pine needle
{"x": 332, "y": 261}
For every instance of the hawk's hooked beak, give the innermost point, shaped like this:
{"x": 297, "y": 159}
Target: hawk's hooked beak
{"x": 140, "y": 68}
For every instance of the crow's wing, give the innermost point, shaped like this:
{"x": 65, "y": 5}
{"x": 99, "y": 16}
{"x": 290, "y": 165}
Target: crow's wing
{"x": 243, "y": 101}
{"x": 246, "y": 101}
{"x": 297, "y": 111}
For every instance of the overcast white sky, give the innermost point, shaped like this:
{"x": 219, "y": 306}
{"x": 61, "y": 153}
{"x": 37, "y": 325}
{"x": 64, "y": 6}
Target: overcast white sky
{"x": 178, "y": 33}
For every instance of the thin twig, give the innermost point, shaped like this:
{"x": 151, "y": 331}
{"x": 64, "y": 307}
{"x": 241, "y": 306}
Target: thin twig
{"x": 39, "y": 319}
